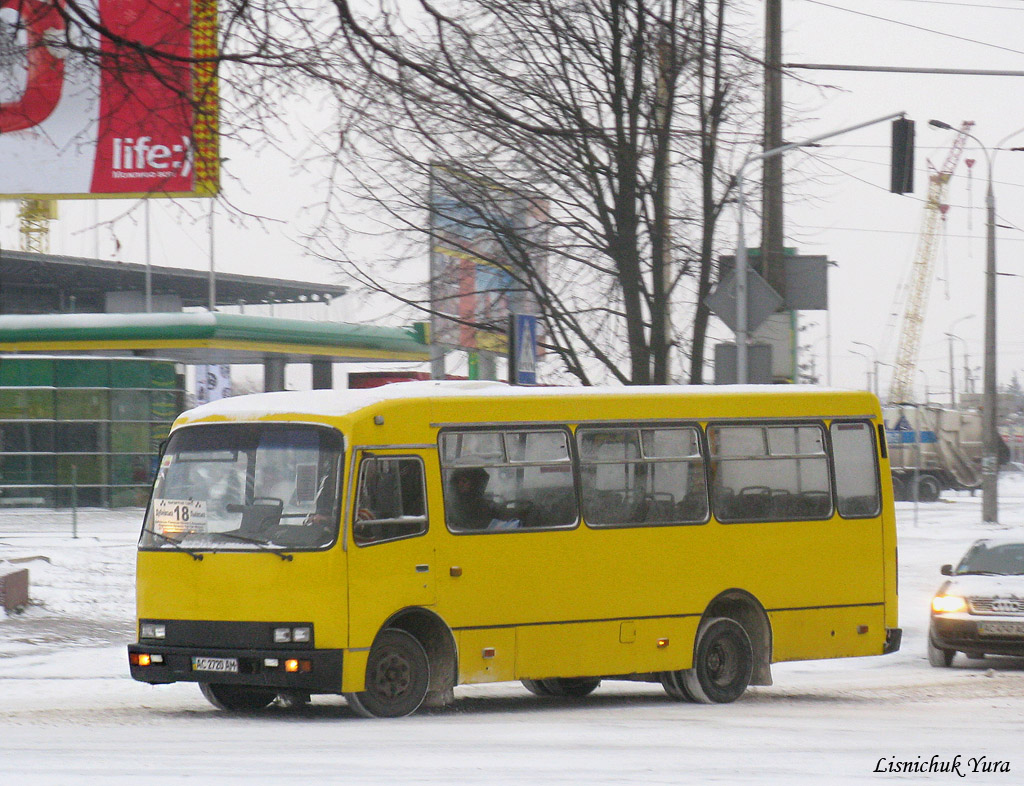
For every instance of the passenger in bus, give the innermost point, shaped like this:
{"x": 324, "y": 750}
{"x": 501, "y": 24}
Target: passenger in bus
{"x": 323, "y": 508}
{"x": 468, "y": 506}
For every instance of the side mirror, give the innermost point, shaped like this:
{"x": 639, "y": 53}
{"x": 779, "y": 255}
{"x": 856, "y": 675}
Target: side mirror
{"x": 946, "y": 570}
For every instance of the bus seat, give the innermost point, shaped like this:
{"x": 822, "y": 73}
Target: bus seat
{"x": 725, "y": 503}
{"x": 662, "y": 508}
{"x": 755, "y": 502}
{"x": 692, "y": 507}
{"x": 815, "y": 504}
{"x": 783, "y": 504}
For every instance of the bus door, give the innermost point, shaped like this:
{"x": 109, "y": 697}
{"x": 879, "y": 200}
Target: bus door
{"x": 390, "y": 551}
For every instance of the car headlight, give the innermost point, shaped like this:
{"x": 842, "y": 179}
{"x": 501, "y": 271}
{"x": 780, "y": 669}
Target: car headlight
{"x": 948, "y": 604}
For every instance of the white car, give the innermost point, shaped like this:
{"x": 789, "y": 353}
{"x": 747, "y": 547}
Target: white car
{"x": 979, "y": 609}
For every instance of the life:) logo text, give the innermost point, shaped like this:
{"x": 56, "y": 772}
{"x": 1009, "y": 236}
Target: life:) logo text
{"x": 139, "y": 157}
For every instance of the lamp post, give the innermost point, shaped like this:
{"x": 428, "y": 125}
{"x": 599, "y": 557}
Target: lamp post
{"x": 874, "y": 362}
{"x": 990, "y": 457}
{"x": 952, "y": 377}
{"x": 867, "y": 361}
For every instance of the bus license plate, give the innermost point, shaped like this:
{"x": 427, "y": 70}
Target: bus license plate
{"x": 1001, "y": 628}
{"x": 215, "y": 664}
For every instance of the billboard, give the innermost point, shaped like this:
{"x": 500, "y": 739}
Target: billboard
{"x": 483, "y": 237}
{"x": 119, "y": 124}
{"x": 213, "y": 382}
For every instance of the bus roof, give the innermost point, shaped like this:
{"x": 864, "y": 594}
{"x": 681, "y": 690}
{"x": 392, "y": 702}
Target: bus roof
{"x": 339, "y": 403}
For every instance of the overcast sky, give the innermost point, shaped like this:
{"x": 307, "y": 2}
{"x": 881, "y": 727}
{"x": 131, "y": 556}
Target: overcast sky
{"x": 838, "y": 202}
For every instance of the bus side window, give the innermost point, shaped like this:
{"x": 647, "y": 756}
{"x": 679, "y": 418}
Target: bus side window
{"x": 390, "y": 500}
{"x": 641, "y": 476}
{"x": 507, "y": 479}
{"x": 853, "y": 450}
{"x": 769, "y": 472}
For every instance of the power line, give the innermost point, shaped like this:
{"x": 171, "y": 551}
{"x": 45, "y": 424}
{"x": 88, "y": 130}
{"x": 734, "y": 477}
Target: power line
{"x": 905, "y": 69}
{"x": 946, "y": 235}
{"x": 915, "y": 27}
{"x": 967, "y": 5}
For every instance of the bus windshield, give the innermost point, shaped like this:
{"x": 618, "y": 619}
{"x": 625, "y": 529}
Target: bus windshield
{"x": 246, "y": 487}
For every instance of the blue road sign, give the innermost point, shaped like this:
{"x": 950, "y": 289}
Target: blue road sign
{"x": 523, "y": 365}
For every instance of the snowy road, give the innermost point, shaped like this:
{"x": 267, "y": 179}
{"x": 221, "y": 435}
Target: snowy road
{"x": 71, "y": 715}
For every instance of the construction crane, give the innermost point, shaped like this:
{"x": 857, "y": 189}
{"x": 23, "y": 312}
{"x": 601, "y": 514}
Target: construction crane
{"x": 34, "y": 216}
{"x": 921, "y": 273}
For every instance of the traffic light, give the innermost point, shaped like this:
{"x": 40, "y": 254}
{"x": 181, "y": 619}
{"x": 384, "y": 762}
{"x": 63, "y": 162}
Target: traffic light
{"x": 902, "y": 156}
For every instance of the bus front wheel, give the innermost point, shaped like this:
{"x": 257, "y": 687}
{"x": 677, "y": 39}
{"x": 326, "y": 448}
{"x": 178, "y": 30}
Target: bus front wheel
{"x": 723, "y": 661}
{"x": 237, "y": 698}
{"x": 397, "y": 677}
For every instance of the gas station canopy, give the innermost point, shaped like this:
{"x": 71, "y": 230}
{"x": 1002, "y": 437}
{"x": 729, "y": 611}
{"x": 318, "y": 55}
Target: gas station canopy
{"x": 208, "y": 337}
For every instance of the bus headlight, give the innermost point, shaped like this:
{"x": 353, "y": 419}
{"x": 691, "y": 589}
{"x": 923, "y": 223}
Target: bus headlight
{"x": 152, "y": 630}
{"x": 293, "y": 634}
{"x": 948, "y": 604}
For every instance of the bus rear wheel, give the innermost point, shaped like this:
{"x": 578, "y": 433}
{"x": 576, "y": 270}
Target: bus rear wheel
{"x": 723, "y": 661}
{"x": 537, "y": 687}
{"x": 397, "y": 677}
{"x": 237, "y": 698}
{"x": 672, "y": 682}
{"x": 565, "y": 687}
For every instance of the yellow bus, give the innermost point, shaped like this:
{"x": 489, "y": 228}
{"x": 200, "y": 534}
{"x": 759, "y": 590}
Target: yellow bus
{"x": 390, "y": 544}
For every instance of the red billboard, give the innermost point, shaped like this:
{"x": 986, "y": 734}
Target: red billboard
{"x": 138, "y": 119}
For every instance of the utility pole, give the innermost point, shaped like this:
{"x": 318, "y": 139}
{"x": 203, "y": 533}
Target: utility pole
{"x": 772, "y": 227}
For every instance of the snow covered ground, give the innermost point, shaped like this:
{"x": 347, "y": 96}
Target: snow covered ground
{"x": 69, "y": 713}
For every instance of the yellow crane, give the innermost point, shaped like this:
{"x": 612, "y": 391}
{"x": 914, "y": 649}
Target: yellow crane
{"x": 920, "y": 281}
{"x": 34, "y": 216}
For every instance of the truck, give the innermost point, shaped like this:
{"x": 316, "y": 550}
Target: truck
{"x": 932, "y": 448}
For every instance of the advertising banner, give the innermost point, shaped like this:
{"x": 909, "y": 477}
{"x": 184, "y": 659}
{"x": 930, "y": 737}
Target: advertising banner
{"x": 213, "y": 382}
{"x": 481, "y": 233}
{"x": 125, "y": 123}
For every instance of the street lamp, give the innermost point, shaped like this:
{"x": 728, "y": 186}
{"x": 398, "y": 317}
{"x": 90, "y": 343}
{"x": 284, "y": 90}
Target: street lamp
{"x": 990, "y": 457}
{"x": 952, "y": 378}
{"x": 874, "y": 354}
{"x": 741, "y": 292}
{"x": 868, "y": 363}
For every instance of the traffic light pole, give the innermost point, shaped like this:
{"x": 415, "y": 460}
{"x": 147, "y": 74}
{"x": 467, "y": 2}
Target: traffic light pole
{"x": 742, "y": 263}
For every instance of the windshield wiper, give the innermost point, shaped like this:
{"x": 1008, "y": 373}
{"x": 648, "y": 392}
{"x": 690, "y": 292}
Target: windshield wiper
{"x": 980, "y": 573}
{"x": 193, "y": 554}
{"x": 262, "y": 545}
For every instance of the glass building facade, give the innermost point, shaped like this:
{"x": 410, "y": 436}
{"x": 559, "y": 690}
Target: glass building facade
{"x": 83, "y": 430}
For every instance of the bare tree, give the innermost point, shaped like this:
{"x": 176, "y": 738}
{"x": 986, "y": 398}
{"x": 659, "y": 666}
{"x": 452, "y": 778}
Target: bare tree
{"x": 590, "y": 108}
{"x": 611, "y": 123}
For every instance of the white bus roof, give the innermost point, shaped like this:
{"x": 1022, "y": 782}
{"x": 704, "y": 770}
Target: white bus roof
{"x": 337, "y": 403}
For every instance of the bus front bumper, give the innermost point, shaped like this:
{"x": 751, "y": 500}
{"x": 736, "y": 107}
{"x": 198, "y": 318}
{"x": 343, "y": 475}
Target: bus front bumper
{"x": 310, "y": 671}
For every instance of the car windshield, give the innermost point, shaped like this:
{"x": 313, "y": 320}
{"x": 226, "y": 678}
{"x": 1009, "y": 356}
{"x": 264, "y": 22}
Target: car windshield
{"x": 246, "y": 487}
{"x": 1005, "y": 559}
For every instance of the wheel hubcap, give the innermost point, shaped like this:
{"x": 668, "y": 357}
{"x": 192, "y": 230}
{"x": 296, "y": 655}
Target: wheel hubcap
{"x": 721, "y": 663}
{"x": 392, "y": 676}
